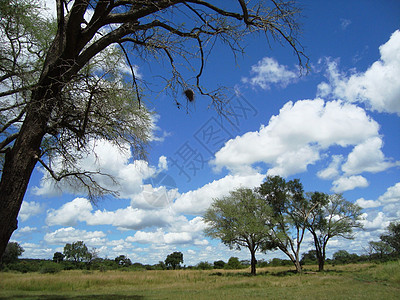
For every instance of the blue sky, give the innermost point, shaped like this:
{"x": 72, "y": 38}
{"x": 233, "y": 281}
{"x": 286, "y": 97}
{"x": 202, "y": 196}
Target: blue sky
{"x": 335, "y": 128}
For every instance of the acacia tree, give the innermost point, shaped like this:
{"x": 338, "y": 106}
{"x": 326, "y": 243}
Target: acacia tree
{"x": 333, "y": 216}
{"x": 239, "y": 220}
{"x": 174, "y": 259}
{"x": 290, "y": 210}
{"x": 54, "y": 102}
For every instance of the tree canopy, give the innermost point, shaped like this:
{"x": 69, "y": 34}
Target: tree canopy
{"x": 174, "y": 259}
{"x": 392, "y": 237}
{"x": 333, "y": 216}
{"x": 289, "y": 213}
{"x": 13, "y": 251}
{"x": 239, "y": 220}
{"x": 77, "y": 252}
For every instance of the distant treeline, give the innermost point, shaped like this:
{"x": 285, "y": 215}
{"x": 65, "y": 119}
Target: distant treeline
{"x": 104, "y": 264}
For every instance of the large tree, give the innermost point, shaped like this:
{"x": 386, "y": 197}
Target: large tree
{"x": 239, "y": 220}
{"x": 290, "y": 210}
{"x": 59, "y": 91}
{"x": 333, "y": 216}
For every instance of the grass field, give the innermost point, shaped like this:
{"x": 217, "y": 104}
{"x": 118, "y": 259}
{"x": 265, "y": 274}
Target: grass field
{"x": 358, "y": 281}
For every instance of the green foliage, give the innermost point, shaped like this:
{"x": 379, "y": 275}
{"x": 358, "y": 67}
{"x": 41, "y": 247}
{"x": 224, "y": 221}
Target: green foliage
{"x": 239, "y": 220}
{"x": 123, "y": 261}
{"x": 58, "y": 257}
{"x": 204, "y": 265}
{"x": 77, "y": 252}
{"x": 379, "y": 250}
{"x": 160, "y": 266}
{"x": 137, "y": 267}
{"x": 344, "y": 257}
{"x": 219, "y": 264}
{"x": 24, "y": 266}
{"x": 50, "y": 267}
{"x": 275, "y": 262}
{"x": 12, "y": 252}
{"x": 174, "y": 259}
{"x": 332, "y": 216}
{"x": 392, "y": 237}
{"x": 233, "y": 263}
{"x": 289, "y": 211}
{"x": 309, "y": 257}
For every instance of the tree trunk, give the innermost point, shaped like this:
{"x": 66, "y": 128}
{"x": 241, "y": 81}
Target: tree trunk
{"x": 20, "y": 161}
{"x": 253, "y": 262}
{"x": 321, "y": 263}
{"x": 298, "y": 266}
{"x": 295, "y": 260}
{"x": 321, "y": 258}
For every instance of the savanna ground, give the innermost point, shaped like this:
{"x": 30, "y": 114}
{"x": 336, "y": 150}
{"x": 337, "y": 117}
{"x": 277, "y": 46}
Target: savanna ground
{"x": 357, "y": 281}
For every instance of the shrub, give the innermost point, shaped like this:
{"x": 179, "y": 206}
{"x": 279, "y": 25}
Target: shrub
{"x": 233, "y": 263}
{"x": 219, "y": 264}
{"x": 204, "y": 265}
{"x": 50, "y": 268}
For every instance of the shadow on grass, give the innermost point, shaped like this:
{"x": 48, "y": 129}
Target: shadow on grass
{"x": 59, "y": 297}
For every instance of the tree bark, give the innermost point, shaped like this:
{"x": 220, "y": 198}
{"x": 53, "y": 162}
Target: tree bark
{"x": 21, "y": 159}
{"x": 253, "y": 262}
{"x": 298, "y": 266}
{"x": 18, "y": 166}
{"x": 321, "y": 263}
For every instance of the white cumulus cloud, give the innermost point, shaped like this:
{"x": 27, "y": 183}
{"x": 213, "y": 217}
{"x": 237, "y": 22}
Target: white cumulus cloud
{"x": 197, "y": 201}
{"x": 367, "y": 157}
{"x": 70, "y": 235}
{"x": 268, "y": 71}
{"x": 29, "y": 209}
{"x": 349, "y": 183}
{"x": 378, "y": 86}
{"x": 294, "y": 139}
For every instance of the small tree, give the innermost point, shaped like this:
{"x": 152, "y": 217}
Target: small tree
{"x": 123, "y": 261}
{"x": 174, "y": 259}
{"x": 58, "y": 257}
{"x": 333, "y": 216}
{"x": 13, "y": 251}
{"x": 379, "y": 249}
{"x": 392, "y": 237}
{"x": 233, "y": 263}
{"x": 239, "y": 221}
{"x": 77, "y": 252}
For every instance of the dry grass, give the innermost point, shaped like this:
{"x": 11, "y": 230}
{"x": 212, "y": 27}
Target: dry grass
{"x": 361, "y": 281}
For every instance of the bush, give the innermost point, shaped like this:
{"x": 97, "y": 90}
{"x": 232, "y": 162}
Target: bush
{"x": 204, "y": 265}
{"x": 24, "y": 266}
{"x": 50, "y": 268}
{"x": 233, "y": 263}
{"x": 219, "y": 264}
